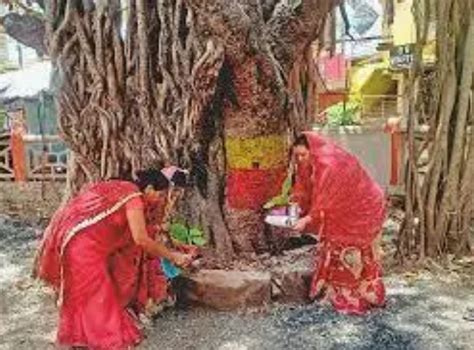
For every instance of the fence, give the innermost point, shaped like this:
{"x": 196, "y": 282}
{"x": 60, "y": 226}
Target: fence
{"x": 46, "y": 158}
{"x": 372, "y": 107}
{"x": 380, "y": 106}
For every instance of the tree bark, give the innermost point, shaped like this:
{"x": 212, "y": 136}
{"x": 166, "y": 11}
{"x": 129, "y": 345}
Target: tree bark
{"x": 266, "y": 44}
{"x": 440, "y": 213}
{"x": 186, "y": 82}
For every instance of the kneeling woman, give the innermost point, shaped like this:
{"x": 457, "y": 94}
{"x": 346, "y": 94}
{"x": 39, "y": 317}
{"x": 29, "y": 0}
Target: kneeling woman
{"x": 345, "y": 206}
{"x": 94, "y": 252}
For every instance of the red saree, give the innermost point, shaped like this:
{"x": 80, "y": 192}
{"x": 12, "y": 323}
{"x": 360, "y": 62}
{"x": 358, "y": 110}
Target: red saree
{"x": 347, "y": 209}
{"x": 89, "y": 257}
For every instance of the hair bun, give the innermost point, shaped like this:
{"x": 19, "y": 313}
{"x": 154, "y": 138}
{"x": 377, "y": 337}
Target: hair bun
{"x": 151, "y": 177}
{"x": 179, "y": 179}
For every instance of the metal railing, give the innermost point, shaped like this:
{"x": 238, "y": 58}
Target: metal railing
{"x": 372, "y": 108}
{"x": 380, "y": 106}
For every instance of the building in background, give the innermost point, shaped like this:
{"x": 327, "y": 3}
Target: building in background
{"x": 400, "y": 30}
{"x": 26, "y": 100}
{"x": 365, "y": 61}
{"x": 351, "y": 67}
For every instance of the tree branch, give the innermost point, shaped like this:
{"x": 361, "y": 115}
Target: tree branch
{"x": 226, "y": 20}
{"x": 294, "y": 25}
{"x": 267, "y": 7}
{"x": 290, "y": 27}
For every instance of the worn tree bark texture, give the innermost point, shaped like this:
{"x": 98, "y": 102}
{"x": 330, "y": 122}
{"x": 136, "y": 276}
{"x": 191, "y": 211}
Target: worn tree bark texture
{"x": 439, "y": 207}
{"x": 266, "y": 51}
{"x": 140, "y": 82}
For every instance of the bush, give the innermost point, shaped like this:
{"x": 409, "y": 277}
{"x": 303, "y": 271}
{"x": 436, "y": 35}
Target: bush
{"x": 337, "y": 115}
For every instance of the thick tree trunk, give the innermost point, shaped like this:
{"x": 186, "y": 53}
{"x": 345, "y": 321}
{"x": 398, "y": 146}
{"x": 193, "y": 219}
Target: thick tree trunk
{"x": 439, "y": 204}
{"x": 190, "y": 82}
{"x": 267, "y": 49}
{"x": 256, "y": 138}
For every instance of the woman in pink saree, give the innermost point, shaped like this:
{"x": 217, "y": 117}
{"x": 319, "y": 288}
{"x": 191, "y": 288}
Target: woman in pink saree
{"x": 96, "y": 254}
{"x": 346, "y": 207}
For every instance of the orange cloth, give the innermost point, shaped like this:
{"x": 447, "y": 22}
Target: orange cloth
{"x": 18, "y": 152}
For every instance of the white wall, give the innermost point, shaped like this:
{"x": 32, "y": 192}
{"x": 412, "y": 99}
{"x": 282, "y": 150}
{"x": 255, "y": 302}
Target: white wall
{"x": 370, "y": 144}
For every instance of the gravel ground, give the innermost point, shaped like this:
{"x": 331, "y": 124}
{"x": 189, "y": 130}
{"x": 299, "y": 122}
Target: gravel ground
{"x": 424, "y": 316}
{"x": 423, "y": 312}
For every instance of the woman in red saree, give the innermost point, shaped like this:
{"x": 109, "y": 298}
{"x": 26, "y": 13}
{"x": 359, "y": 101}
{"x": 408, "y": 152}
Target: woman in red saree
{"x": 346, "y": 207}
{"x": 95, "y": 253}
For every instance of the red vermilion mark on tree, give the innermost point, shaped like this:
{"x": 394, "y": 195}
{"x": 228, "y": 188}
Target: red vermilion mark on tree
{"x": 251, "y": 188}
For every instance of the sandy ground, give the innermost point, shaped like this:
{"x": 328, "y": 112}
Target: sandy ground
{"x": 423, "y": 312}
{"x": 32, "y": 202}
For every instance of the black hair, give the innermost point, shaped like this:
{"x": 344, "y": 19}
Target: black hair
{"x": 179, "y": 179}
{"x": 301, "y": 140}
{"x": 151, "y": 177}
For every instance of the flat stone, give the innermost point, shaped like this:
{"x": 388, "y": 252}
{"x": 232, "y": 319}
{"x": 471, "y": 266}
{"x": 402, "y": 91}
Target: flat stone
{"x": 291, "y": 275}
{"x": 284, "y": 278}
{"x": 228, "y": 290}
{"x": 291, "y": 286}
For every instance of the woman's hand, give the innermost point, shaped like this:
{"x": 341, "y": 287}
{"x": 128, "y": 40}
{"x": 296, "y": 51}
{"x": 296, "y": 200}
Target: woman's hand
{"x": 165, "y": 227}
{"x": 182, "y": 260}
{"x": 301, "y": 224}
{"x": 137, "y": 224}
{"x": 293, "y": 198}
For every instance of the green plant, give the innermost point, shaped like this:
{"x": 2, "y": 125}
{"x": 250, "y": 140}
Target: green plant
{"x": 340, "y": 115}
{"x": 283, "y": 198}
{"x": 187, "y": 235}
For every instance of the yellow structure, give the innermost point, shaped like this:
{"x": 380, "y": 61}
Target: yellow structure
{"x": 386, "y": 73}
{"x": 370, "y": 78}
{"x": 403, "y": 26}
{"x": 378, "y": 82}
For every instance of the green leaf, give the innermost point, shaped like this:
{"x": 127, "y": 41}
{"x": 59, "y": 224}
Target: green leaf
{"x": 286, "y": 188}
{"x": 340, "y": 116}
{"x": 179, "y": 232}
{"x": 196, "y": 237}
{"x": 199, "y": 241}
{"x": 283, "y": 198}
{"x": 195, "y": 232}
{"x": 278, "y": 201}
